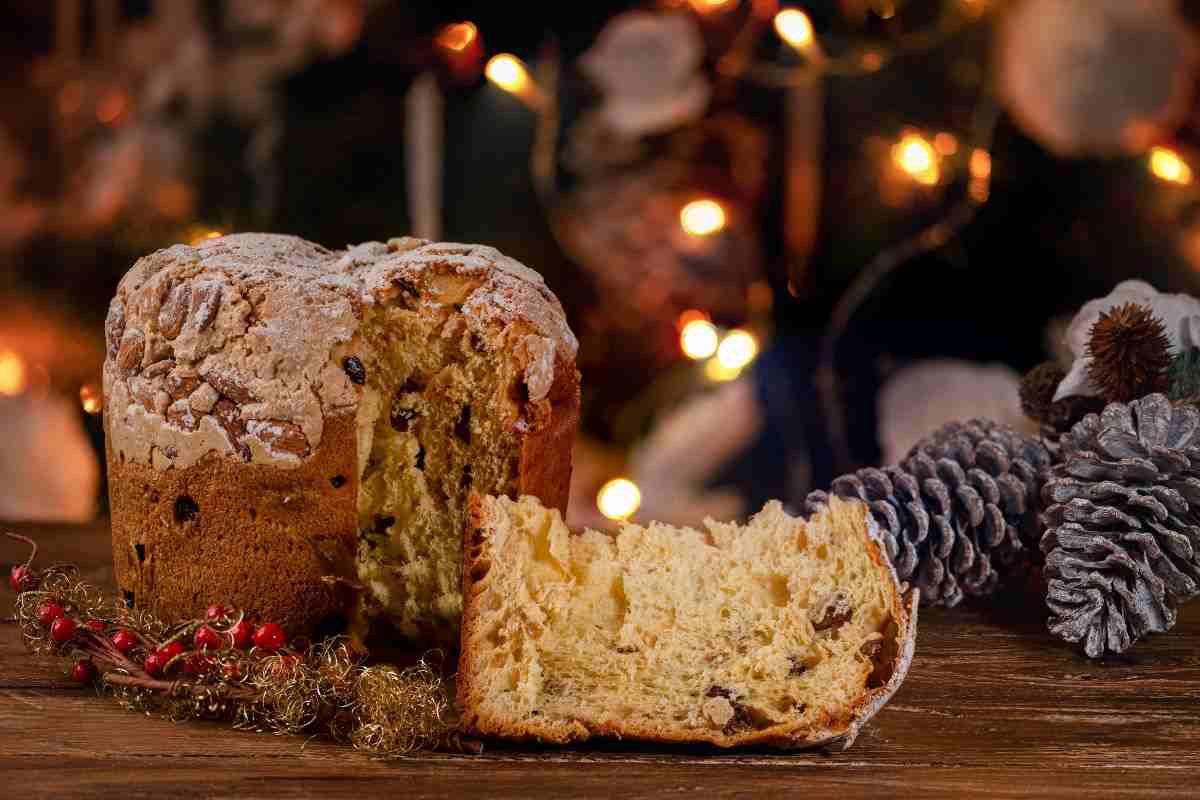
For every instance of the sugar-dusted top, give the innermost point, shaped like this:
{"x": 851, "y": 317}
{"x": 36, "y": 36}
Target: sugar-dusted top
{"x": 237, "y": 345}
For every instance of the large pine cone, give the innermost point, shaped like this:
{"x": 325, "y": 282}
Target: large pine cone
{"x": 958, "y": 510}
{"x": 1122, "y": 543}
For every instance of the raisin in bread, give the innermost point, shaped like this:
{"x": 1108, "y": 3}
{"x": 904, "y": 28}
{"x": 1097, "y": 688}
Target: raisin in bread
{"x": 287, "y": 423}
{"x": 784, "y": 632}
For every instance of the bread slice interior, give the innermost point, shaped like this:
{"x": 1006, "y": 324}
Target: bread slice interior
{"x": 436, "y": 421}
{"x": 783, "y": 631}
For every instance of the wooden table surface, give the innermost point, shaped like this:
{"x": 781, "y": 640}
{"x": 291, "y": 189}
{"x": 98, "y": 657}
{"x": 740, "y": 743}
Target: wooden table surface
{"x": 993, "y": 706}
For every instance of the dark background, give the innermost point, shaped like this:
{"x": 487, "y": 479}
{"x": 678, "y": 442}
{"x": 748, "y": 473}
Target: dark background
{"x": 1053, "y": 234}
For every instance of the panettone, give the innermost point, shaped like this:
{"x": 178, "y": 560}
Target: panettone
{"x": 782, "y": 632}
{"x": 296, "y": 431}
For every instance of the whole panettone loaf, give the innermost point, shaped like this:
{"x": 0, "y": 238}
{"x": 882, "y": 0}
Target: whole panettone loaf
{"x": 783, "y": 632}
{"x": 295, "y": 431}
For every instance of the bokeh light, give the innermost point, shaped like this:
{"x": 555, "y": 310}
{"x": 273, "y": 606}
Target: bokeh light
{"x": 619, "y": 498}
{"x": 702, "y": 217}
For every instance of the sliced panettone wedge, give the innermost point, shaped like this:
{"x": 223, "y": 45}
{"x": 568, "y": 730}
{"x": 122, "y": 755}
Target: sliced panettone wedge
{"x": 783, "y": 632}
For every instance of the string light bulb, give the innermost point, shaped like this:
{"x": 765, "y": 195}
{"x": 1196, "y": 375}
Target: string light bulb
{"x": 619, "y": 499}
{"x": 1168, "y": 166}
{"x": 914, "y": 155}
{"x": 510, "y": 74}
{"x": 698, "y": 339}
{"x": 795, "y": 28}
{"x": 91, "y": 398}
{"x": 702, "y": 217}
{"x": 457, "y": 36}
{"x": 737, "y": 349}
{"x": 13, "y": 376}
{"x": 945, "y": 143}
{"x": 980, "y": 167}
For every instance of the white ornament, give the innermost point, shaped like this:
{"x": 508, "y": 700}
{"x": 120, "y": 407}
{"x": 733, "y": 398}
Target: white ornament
{"x": 924, "y": 396}
{"x": 1096, "y": 77}
{"x": 648, "y": 67}
{"x": 1179, "y": 314}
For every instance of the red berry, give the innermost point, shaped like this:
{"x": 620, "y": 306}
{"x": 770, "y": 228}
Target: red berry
{"x": 169, "y": 651}
{"x": 124, "y": 640}
{"x": 63, "y": 629}
{"x": 206, "y": 638}
{"x": 196, "y": 664}
{"x": 243, "y": 632}
{"x": 21, "y": 578}
{"x": 153, "y": 664}
{"x": 49, "y": 611}
{"x": 215, "y": 611}
{"x": 84, "y": 670}
{"x": 269, "y": 636}
{"x": 95, "y": 624}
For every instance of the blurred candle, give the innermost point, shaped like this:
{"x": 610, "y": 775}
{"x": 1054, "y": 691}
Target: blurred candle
{"x": 423, "y": 150}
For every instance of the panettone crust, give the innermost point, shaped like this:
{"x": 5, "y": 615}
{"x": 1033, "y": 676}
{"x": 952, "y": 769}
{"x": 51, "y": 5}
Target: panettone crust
{"x": 232, "y": 415}
{"x": 249, "y": 535}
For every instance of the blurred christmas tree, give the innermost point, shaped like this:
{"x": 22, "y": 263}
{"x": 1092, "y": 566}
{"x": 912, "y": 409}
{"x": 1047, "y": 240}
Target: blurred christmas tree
{"x": 763, "y": 217}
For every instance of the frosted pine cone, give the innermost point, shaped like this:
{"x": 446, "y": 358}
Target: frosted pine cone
{"x": 958, "y": 510}
{"x": 1122, "y": 543}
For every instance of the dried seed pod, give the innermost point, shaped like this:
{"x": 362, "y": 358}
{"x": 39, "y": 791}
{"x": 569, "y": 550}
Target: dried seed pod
{"x": 1130, "y": 353}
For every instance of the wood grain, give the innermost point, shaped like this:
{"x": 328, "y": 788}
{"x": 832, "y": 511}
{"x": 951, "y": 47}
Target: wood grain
{"x": 993, "y": 707}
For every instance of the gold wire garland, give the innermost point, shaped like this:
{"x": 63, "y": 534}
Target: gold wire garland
{"x": 324, "y": 689}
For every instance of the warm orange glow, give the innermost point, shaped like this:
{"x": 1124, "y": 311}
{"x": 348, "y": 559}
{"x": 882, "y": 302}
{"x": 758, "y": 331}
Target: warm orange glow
{"x": 507, "y": 72}
{"x": 510, "y": 74}
{"x": 794, "y": 27}
{"x": 619, "y": 498}
{"x": 713, "y": 6}
{"x": 698, "y": 339}
{"x": 1167, "y": 165}
{"x": 973, "y": 7}
{"x": 980, "y": 167}
{"x": 91, "y": 398}
{"x": 914, "y": 155}
{"x": 13, "y": 375}
{"x": 702, "y": 217}
{"x": 690, "y": 315}
{"x": 886, "y": 9}
{"x": 871, "y": 61}
{"x": 112, "y": 107}
{"x": 945, "y": 143}
{"x": 200, "y": 233}
{"x": 457, "y": 37}
{"x": 737, "y": 350}
{"x": 981, "y": 164}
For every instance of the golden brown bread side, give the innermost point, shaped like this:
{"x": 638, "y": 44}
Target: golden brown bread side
{"x": 784, "y": 632}
{"x": 251, "y": 384}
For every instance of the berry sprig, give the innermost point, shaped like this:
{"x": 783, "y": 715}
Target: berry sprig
{"x": 227, "y": 667}
{"x": 22, "y": 578}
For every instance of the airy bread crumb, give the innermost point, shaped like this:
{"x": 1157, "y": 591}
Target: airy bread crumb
{"x": 784, "y": 632}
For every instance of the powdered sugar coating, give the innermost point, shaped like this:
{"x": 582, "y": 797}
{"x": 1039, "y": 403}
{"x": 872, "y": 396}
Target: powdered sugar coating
{"x": 235, "y": 345}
